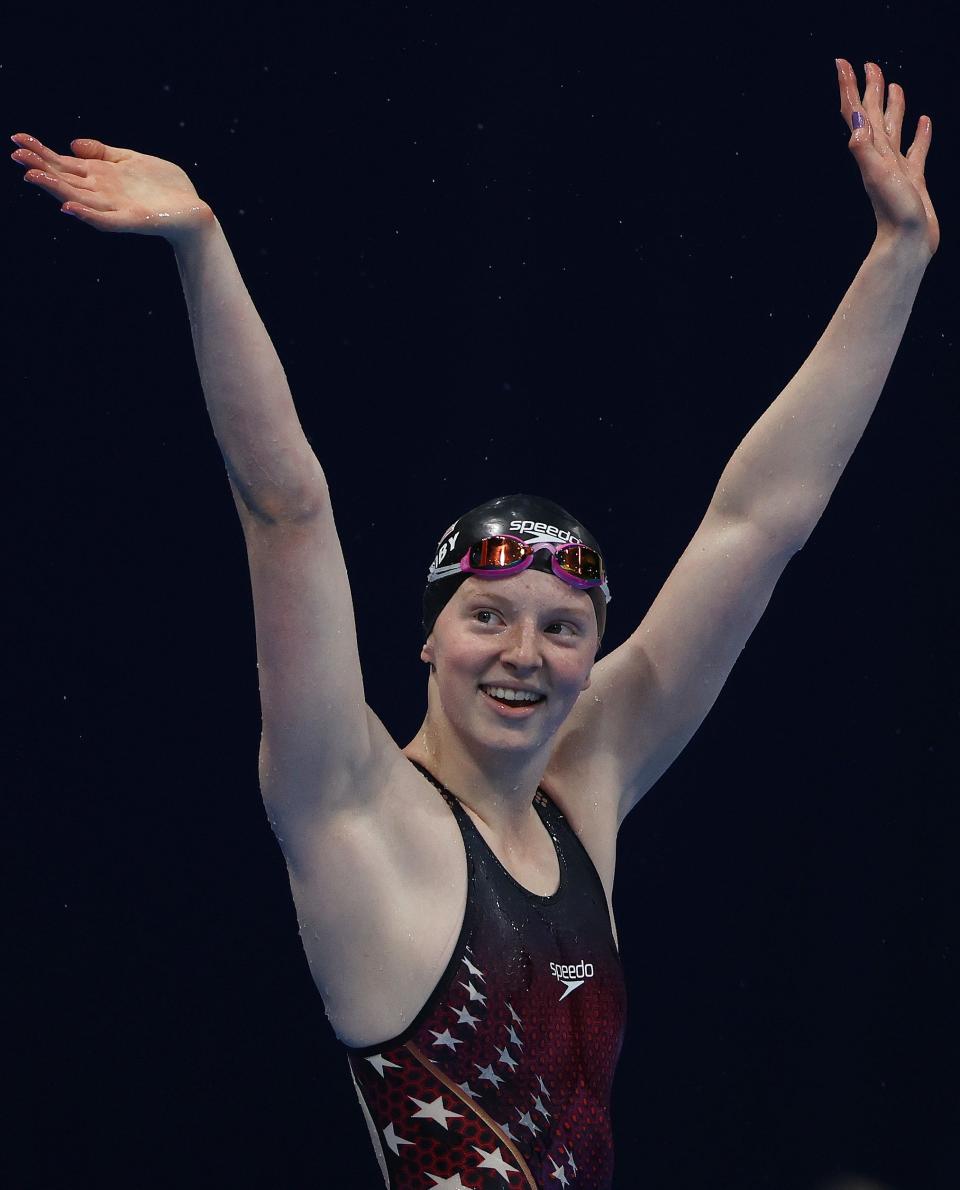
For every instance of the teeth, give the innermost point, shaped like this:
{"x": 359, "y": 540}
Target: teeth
{"x": 512, "y": 695}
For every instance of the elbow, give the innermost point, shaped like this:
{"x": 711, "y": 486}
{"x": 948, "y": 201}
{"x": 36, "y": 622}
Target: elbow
{"x": 778, "y": 528}
{"x": 301, "y": 499}
{"x": 789, "y": 528}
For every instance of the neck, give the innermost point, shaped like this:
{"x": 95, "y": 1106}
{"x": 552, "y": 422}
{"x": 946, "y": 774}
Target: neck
{"x": 498, "y": 787}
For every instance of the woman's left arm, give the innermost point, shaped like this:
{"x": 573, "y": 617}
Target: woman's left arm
{"x": 650, "y": 695}
{"x": 784, "y": 472}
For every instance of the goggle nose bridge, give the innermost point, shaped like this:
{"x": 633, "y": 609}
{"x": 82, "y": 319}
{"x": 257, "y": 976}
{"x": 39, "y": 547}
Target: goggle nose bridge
{"x": 542, "y": 559}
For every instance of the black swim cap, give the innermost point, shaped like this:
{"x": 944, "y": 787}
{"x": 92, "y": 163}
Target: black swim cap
{"x": 530, "y": 517}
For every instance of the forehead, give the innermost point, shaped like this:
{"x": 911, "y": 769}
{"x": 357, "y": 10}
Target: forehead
{"x": 531, "y": 588}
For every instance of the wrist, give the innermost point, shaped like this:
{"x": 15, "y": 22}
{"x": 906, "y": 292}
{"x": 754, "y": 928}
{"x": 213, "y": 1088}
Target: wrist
{"x": 192, "y": 228}
{"x": 908, "y": 248}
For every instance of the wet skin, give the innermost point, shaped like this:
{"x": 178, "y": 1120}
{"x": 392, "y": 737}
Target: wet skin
{"x": 530, "y": 632}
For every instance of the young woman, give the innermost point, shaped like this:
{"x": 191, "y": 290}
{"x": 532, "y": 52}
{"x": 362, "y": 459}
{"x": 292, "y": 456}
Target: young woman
{"x": 455, "y": 895}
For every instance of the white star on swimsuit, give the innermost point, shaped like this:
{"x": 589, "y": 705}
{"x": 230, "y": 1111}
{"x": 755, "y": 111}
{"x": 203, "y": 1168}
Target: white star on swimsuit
{"x": 433, "y": 1111}
{"x": 544, "y": 1090}
{"x": 505, "y": 1128}
{"x": 378, "y": 1061}
{"x": 489, "y": 1074}
{"x": 453, "y": 1183}
{"x": 538, "y": 1104}
{"x": 573, "y": 1164}
{"x": 474, "y": 994}
{"x": 514, "y": 1039}
{"x": 506, "y": 1059}
{"x": 516, "y": 1019}
{"x": 558, "y": 1173}
{"x": 393, "y": 1141}
{"x": 446, "y": 1038}
{"x": 493, "y": 1160}
{"x": 526, "y": 1121}
{"x": 473, "y": 970}
{"x": 464, "y": 1017}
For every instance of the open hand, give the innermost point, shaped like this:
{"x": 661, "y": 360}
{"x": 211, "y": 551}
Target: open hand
{"x": 115, "y": 189}
{"x": 893, "y": 180}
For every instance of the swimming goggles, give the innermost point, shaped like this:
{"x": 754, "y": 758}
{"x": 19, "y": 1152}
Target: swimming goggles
{"x": 503, "y": 555}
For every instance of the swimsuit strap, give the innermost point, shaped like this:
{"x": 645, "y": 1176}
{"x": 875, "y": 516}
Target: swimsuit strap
{"x": 539, "y": 797}
{"x": 448, "y": 797}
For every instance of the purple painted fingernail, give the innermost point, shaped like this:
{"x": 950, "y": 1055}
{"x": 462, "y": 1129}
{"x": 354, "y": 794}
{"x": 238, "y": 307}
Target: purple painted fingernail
{"x": 858, "y": 119}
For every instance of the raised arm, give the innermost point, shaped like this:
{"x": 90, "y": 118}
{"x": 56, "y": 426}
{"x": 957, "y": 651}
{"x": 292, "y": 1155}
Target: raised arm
{"x": 318, "y": 739}
{"x": 650, "y": 695}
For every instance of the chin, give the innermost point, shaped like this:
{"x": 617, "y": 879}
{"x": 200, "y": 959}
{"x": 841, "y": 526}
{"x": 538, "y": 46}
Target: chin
{"x": 529, "y": 734}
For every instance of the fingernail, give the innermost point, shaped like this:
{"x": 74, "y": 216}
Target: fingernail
{"x": 858, "y": 119}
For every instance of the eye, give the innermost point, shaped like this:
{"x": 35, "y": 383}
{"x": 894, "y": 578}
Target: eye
{"x": 561, "y": 628}
{"x": 485, "y": 615}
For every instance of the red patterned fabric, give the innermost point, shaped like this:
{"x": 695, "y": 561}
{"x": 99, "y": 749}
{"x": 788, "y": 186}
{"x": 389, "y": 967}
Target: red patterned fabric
{"x": 504, "y": 1078}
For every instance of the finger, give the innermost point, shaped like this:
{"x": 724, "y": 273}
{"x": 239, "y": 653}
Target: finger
{"x": 101, "y": 220}
{"x": 917, "y": 153}
{"x": 849, "y": 95}
{"x": 63, "y": 190}
{"x": 30, "y": 144}
{"x": 85, "y": 147}
{"x": 873, "y": 105}
{"x": 26, "y": 141}
{"x": 28, "y": 158}
{"x": 31, "y": 160}
{"x": 851, "y": 108}
{"x": 893, "y": 116}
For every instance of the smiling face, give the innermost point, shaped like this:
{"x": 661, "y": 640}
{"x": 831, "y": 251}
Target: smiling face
{"x": 509, "y": 658}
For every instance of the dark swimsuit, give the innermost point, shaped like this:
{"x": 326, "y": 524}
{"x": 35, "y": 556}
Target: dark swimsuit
{"x": 504, "y": 1077}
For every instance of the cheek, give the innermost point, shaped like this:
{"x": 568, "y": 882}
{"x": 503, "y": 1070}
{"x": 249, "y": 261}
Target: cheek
{"x": 456, "y": 670}
{"x": 576, "y": 670}
{"x": 577, "y": 681}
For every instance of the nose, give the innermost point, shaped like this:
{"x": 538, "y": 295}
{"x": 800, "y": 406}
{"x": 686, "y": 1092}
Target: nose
{"x": 521, "y": 648}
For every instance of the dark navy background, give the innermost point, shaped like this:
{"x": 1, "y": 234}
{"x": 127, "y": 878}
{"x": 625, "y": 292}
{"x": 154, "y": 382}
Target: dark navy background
{"x": 545, "y": 249}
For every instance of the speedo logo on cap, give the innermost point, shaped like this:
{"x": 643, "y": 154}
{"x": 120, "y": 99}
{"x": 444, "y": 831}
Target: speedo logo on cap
{"x": 573, "y": 975}
{"x": 542, "y": 527}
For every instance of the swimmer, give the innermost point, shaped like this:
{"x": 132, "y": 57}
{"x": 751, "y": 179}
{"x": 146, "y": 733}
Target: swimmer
{"x": 455, "y": 894}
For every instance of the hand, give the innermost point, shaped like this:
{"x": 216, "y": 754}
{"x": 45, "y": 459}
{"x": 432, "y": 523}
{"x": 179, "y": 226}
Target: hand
{"x": 893, "y": 180}
{"x": 115, "y": 189}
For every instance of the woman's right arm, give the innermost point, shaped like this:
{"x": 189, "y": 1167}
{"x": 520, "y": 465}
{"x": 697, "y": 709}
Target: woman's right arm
{"x": 321, "y": 749}
{"x": 274, "y": 473}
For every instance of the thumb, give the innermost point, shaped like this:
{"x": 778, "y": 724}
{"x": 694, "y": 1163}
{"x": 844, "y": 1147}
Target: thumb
{"x": 84, "y": 147}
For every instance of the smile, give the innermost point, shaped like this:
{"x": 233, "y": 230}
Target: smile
{"x": 514, "y": 698}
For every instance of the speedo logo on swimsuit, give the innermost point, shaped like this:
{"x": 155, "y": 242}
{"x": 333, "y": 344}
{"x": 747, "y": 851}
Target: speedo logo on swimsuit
{"x": 571, "y": 975}
{"x": 545, "y": 529}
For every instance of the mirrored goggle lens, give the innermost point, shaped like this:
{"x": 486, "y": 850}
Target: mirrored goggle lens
{"x": 496, "y": 553}
{"x": 582, "y": 562}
